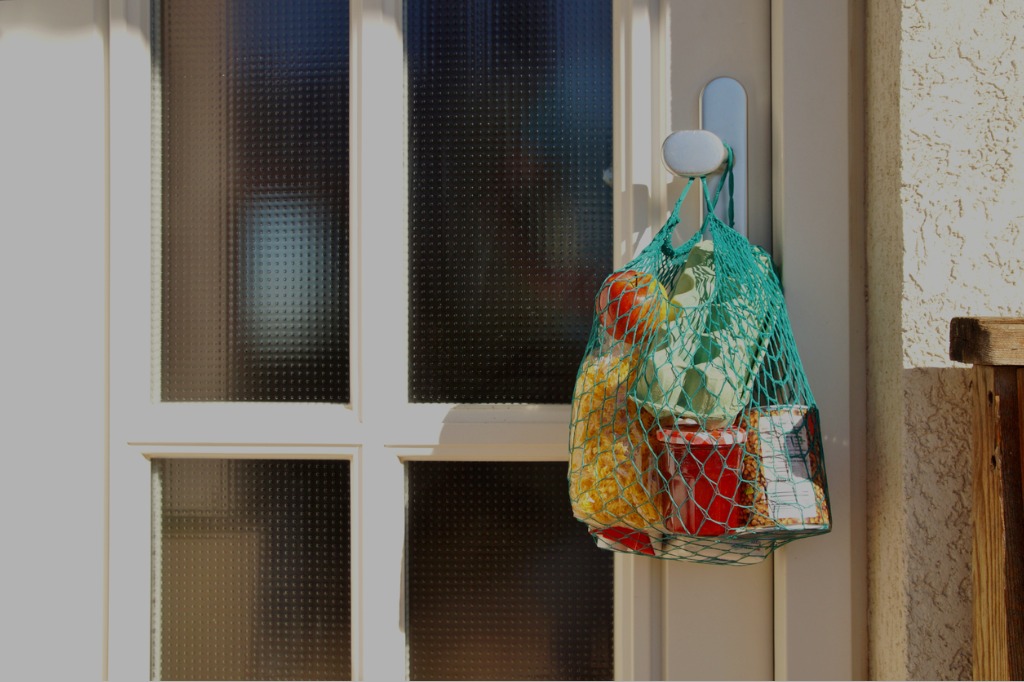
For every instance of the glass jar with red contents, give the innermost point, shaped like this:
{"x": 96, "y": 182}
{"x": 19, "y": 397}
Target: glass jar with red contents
{"x": 625, "y": 539}
{"x": 702, "y": 469}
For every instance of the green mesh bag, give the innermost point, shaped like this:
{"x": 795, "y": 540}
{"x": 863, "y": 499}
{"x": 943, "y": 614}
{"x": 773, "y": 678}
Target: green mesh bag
{"x": 694, "y": 434}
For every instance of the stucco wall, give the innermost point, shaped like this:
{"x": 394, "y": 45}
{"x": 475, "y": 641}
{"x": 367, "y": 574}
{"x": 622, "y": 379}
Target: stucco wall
{"x": 945, "y": 128}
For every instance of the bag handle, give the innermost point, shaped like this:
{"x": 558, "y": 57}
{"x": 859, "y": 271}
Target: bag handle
{"x": 727, "y": 177}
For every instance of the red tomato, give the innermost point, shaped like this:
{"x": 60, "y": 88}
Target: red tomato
{"x": 632, "y": 304}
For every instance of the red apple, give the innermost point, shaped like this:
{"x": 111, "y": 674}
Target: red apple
{"x": 632, "y": 304}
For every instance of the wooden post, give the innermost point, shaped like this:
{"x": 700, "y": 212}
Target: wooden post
{"x": 995, "y": 346}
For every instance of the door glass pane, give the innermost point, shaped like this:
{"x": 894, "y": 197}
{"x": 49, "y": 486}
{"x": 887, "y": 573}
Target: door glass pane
{"x": 501, "y": 581}
{"x": 510, "y": 134}
{"x": 251, "y": 570}
{"x": 251, "y": 118}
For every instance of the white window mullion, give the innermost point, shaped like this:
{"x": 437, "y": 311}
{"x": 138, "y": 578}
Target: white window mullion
{"x": 378, "y": 209}
{"x": 379, "y": 553}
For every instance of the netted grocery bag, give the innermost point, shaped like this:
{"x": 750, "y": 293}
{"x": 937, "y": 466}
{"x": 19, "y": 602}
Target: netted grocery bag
{"x": 694, "y": 434}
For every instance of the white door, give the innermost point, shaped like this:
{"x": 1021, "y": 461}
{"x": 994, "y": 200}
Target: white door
{"x": 405, "y": 423}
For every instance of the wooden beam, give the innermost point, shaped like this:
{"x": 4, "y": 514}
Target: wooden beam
{"x": 998, "y": 519}
{"x": 996, "y": 347}
{"x": 987, "y": 340}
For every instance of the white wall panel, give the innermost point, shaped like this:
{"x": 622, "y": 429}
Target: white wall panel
{"x": 52, "y": 368}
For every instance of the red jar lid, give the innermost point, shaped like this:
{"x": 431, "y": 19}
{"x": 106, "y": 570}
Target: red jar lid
{"x": 695, "y": 436}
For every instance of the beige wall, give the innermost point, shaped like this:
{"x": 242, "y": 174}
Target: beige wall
{"x": 945, "y": 127}
{"x": 53, "y": 219}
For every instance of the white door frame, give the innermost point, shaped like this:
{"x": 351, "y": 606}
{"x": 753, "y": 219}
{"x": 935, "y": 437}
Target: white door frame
{"x": 821, "y": 585}
{"x": 820, "y": 611}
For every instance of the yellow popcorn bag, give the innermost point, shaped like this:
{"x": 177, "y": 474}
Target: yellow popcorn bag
{"x": 612, "y": 470}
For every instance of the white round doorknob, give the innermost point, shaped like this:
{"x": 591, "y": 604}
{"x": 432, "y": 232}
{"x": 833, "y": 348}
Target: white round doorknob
{"x": 693, "y": 153}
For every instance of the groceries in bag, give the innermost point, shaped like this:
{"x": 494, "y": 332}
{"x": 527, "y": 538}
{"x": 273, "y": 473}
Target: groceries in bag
{"x": 612, "y": 470}
{"x": 784, "y": 470}
{"x": 707, "y": 354}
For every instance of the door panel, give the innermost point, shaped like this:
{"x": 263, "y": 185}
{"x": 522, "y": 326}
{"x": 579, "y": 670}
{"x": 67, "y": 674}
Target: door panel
{"x": 713, "y": 613}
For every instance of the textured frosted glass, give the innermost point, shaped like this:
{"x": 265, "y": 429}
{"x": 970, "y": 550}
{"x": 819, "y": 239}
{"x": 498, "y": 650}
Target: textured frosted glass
{"x": 251, "y": 570}
{"x": 502, "y": 583}
{"x": 252, "y": 119}
{"x": 510, "y": 133}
